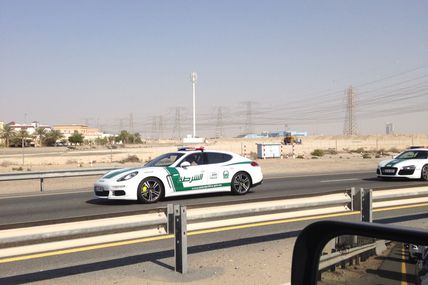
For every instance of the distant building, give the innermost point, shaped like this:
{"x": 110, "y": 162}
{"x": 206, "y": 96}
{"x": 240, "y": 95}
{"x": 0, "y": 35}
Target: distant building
{"x": 30, "y": 128}
{"x": 274, "y": 134}
{"x": 253, "y": 136}
{"x": 89, "y": 133}
{"x": 1, "y": 128}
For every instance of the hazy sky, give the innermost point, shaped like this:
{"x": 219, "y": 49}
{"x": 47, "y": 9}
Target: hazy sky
{"x": 100, "y": 61}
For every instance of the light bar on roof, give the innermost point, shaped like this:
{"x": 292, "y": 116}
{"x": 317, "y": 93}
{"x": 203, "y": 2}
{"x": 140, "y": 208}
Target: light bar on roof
{"x": 187, "y": 148}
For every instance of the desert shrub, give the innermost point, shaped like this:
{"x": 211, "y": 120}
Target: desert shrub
{"x": 253, "y": 155}
{"x": 358, "y": 150}
{"x": 331, "y": 151}
{"x": 300, "y": 156}
{"x": 366, "y": 155}
{"x": 71, "y": 161}
{"x": 6, "y": 163}
{"x": 394, "y": 150}
{"x": 130, "y": 158}
{"x": 318, "y": 152}
{"x": 17, "y": 168}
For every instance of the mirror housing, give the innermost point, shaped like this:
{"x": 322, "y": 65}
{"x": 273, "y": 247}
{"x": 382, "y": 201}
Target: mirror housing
{"x": 312, "y": 239}
{"x": 185, "y": 164}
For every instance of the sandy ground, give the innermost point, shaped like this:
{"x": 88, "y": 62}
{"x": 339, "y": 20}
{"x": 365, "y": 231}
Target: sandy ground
{"x": 224, "y": 266}
{"x": 43, "y": 158}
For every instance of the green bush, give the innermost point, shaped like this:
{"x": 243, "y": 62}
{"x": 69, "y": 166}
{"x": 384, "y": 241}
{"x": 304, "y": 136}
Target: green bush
{"x": 318, "y": 152}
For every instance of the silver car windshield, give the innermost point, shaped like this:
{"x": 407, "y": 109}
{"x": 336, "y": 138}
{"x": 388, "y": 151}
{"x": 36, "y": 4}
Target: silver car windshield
{"x": 164, "y": 160}
{"x": 413, "y": 155}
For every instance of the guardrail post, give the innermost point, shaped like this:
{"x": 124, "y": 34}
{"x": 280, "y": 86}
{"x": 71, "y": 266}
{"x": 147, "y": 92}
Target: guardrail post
{"x": 170, "y": 219}
{"x": 180, "y": 247}
{"x": 41, "y": 184}
{"x": 355, "y": 200}
{"x": 366, "y": 205}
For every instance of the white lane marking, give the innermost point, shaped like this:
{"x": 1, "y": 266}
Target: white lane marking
{"x": 339, "y": 180}
{"x": 44, "y": 194}
{"x": 271, "y": 177}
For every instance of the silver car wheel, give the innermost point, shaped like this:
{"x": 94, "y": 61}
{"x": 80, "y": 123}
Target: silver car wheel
{"x": 424, "y": 173}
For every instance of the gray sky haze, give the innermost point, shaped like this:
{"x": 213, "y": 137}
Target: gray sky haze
{"x": 99, "y": 61}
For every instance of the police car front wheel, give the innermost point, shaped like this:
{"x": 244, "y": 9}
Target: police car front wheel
{"x": 150, "y": 190}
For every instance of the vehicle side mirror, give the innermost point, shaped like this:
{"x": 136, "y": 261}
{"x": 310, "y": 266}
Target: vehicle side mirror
{"x": 361, "y": 248}
{"x": 185, "y": 164}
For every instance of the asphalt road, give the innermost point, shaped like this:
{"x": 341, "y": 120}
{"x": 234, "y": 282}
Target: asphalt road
{"x": 81, "y": 202}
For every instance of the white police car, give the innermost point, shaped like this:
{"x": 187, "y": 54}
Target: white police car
{"x": 183, "y": 172}
{"x": 412, "y": 163}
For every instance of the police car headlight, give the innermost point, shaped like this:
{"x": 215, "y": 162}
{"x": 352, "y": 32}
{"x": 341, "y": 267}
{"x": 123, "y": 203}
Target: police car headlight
{"x": 410, "y": 167}
{"x": 128, "y": 176}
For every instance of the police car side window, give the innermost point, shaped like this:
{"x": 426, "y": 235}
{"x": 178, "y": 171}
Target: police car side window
{"x": 196, "y": 159}
{"x": 215, "y": 157}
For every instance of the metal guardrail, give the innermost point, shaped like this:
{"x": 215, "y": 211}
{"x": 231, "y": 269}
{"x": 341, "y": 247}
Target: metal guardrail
{"x": 30, "y": 240}
{"x": 333, "y": 259}
{"x": 352, "y": 255}
{"x": 41, "y": 175}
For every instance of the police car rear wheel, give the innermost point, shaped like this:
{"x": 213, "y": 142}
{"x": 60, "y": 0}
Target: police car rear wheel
{"x": 241, "y": 183}
{"x": 150, "y": 190}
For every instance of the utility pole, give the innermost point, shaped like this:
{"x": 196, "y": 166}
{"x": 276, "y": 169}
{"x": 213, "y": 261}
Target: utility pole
{"x": 249, "y": 118}
{"x": 160, "y": 127}
{"x": 120, "y": 125}
{"x": 177, "y": 124}
{"x": 219, "y": 125}
{"x": 154, "y": 126}
{"x": 131, "y": 123}
{"x": 194, "y": 77}
{"x": 350, "y": 127}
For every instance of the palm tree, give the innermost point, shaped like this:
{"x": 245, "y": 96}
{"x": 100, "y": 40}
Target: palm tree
{"x": 41, "y": 134}
{"x": 7, "y": 133}
{"x": 52, "y": 137}
{"x": 24, "y": 137}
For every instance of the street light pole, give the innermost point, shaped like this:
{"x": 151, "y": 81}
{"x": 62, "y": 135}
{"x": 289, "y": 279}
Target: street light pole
{"x": 194, "y": 77}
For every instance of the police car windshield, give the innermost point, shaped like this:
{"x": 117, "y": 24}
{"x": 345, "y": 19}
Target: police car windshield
{"x": 164, "y": 160}
{"x": 413, "y": 155}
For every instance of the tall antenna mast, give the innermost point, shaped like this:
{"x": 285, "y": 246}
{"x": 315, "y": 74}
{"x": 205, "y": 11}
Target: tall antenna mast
{"x": 194, "y": 77}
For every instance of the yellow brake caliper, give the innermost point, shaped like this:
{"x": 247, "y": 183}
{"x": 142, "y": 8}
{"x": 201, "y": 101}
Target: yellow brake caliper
{"x": 145, "y": 189}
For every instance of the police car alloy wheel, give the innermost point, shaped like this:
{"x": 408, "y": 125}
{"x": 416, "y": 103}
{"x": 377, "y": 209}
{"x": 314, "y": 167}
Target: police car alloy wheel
{"x": 150, "y": 190}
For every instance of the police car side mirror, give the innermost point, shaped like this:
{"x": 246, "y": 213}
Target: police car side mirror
{"x": 185, "y": 164}
{"x": 324, "y": 245}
